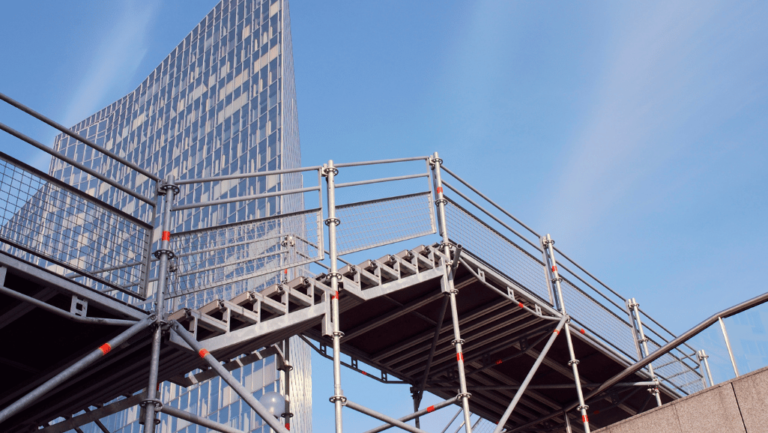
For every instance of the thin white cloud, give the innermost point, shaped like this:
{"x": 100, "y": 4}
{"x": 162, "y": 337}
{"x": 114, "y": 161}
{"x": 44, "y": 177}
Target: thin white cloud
{"x": 649, "y": 93}
{"x": 109, "y": 72}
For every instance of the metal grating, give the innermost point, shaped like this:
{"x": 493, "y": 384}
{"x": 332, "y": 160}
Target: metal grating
{"x": 62, "y": 229}
{"x": 493, "y": 248}
{"x": 375, "y": 223}
{"x": 598, "y": 319}
{"x": 208, "y": 258}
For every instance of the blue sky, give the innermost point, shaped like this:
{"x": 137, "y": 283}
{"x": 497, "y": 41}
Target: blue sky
{"x": 634, "y": 133}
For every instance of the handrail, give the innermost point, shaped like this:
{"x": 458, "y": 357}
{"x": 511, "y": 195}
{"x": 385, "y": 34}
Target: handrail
{"x": 78, "y": 137}
{"x": 634, "y": 368}
{"x": 74, "y": 163}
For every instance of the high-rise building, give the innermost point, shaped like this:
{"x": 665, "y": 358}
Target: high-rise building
{"x": 221, "y": 103}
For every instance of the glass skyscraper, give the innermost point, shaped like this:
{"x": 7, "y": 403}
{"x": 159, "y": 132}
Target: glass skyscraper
{"x": 222, "y": 102}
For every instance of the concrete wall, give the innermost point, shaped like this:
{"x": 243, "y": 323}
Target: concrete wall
{"x": 738, "y": 405}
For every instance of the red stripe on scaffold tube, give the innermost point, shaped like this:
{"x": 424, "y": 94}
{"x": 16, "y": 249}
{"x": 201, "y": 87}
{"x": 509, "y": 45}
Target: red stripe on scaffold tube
{"x": 557, "y": 332}
{"x": 498, "y": 362}
{"x": 430, "y": 409}
{"x": 202, "y": 353}
{"x": 584, "y": 419}
{"x": 521, "y": 305}
{"x": 166, "y": 236}
{"x": 335, "y": 295}
{"x": 105, "y": 348}
{"x": 287, "y": 426}
{"x": 364, "y": 373}
{"x": 439, "y": 189}
{"x": 583, "y": 331}
{"x": 460, "y": 357}
{"x": 554, "y": 268}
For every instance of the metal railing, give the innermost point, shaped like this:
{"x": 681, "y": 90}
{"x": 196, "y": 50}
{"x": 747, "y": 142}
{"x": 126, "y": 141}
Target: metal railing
{"x": 504, "y": 243}
{"x": 64, "y": 230}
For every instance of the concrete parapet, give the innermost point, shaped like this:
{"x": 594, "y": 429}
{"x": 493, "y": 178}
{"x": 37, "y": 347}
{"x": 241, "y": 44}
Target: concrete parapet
{"x": 735, "y": 406}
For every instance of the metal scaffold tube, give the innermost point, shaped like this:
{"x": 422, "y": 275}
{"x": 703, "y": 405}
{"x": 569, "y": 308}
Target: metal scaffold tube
{"x": 703, "y": 358}
{"x": 529, "y": 376}
{"x": 152, "y": 404}
{"x": 451, "y": 293}
{"x": 548, "y": 245}
{"x": 72, "y": 370}
{"x": 227, "y": 377}
{"x": 338, "y": 398}
{"x": 634, "y": 308}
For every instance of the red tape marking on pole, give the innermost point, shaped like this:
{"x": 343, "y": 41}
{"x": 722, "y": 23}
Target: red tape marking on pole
{"x": 439, "y": 189}
{"x": 105, "y": 348}
{"x": 554, "y": 268}
{"x": 521, "y": 305}
{"x": 166, "y": 236}
{"x": 335, "y": 295}
{"x": 557, "y": 332}
{"x": 583, "y": 331}
{"x": 364, "y": 373}
{"x": 498, "y": 362}
{"x": 460, "y": 357}
{"x": 287, "y": 426}
{"x": 430, "y": 409}
{"x": 584, "y": 419}
{"x": 203, "y": 352}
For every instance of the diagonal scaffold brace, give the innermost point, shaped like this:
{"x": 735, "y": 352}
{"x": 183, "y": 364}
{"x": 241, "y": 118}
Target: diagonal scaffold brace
{"x": 227, "y": 377}
{"x": 531, "y": 373}
{"x": 75, "y": 368}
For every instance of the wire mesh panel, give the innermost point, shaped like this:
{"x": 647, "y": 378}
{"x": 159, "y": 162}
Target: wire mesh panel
{"x": 63, "y": 229}
{"x": 598, "y": 319}
{"x": 211, "y": 257}
{"x": 496, "y": 250}
{"x": 375, "y": 223}
{"x": 671, "y": 368}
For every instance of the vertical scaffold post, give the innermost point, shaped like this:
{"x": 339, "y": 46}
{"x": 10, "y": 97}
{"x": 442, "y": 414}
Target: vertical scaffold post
{"x": 287, "y": 367}
{"x": 728, "y": 345}
{"x": 703, "y": 359}
{"x": 548, "y": 244}
{"x": 338, "y": 398}
{"x": 164, "y": 254}
{"x": 435, "y": 162}
{"x": 634, "y": 307}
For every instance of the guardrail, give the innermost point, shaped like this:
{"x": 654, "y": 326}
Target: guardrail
{"x": 66, "y": 231}
{"x": 504, "y": 243}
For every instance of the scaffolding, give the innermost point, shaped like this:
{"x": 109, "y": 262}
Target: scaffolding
{"x": 474, "y": 314}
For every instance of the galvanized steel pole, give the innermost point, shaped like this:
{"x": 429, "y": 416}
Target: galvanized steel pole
{"x": 338, "y": 398}
{"x": 728, "y": 345}
{"x": 548, "y": 245}
{"x": 634, "y": 307}
{"x": 703, "y": 358}
{"x": 227, "y": 377}
{"x": 452, "y": 291}
{"x": 152, "y": 403}
{"x": 529, "y": 377}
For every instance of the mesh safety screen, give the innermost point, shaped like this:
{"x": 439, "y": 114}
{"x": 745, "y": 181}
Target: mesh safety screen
{"x": 211, "y": 257}
{"x": 381, "y": 222}
{"x": 64, "y": 230}
{"x": 493, "y": 248}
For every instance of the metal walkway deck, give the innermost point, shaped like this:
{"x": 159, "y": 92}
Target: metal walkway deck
{"x": 389, "y": 310}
